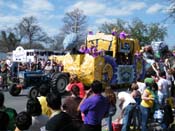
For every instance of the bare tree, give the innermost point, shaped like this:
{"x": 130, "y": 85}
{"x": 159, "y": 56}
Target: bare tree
{"x": 34, "y": 46}
{"x": 75, "y": 22}
{"x": 30, "y": 31}
{"x": 57, "y": 43}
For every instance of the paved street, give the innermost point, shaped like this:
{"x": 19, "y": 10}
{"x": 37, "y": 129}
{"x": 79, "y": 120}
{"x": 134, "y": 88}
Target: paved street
{"x": 18, "y": 102}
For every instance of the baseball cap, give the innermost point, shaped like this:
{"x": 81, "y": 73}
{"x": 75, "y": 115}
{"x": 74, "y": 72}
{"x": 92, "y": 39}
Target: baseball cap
{"x": 149, "y": 80}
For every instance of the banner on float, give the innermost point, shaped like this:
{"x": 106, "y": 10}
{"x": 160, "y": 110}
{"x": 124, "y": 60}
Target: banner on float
{"x": 125, "y": 74}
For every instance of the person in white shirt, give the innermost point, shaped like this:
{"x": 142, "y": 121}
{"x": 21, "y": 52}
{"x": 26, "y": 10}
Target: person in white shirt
{"x": 170, "y": 78}
{"x": 127, "y": 105}
{"x": 141, "y": 86}
{"x": 48, "y": 67}
{"x": 163, "y": 88}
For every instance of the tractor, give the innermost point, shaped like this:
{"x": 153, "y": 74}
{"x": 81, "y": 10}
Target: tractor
{"x": 31, "y": 80}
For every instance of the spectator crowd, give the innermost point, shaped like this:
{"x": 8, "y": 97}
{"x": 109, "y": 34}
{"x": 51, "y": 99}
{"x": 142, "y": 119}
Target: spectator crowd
{"x": 84, "y": 110}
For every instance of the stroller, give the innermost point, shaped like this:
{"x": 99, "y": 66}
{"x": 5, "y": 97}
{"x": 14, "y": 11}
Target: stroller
{"x": 164, "y": 116}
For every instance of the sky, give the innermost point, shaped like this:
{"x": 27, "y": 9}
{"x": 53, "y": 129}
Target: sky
{"x": 49, "y": 13}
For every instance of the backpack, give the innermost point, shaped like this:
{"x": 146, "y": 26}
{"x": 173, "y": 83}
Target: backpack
{"x": 12, "y": 115}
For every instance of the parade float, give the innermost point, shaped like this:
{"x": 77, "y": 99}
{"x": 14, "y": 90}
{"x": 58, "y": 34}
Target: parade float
{"x": 105, "y": 57}
{"x": 157, "y": 52}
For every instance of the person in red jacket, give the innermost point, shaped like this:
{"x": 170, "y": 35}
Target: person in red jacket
{"x": 75, "y": 81}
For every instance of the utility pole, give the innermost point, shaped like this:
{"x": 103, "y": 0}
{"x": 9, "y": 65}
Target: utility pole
{"x": 76, "y": 26}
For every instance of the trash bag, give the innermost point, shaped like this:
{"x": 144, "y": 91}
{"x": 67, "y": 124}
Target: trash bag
{"x": 70, "y": 40}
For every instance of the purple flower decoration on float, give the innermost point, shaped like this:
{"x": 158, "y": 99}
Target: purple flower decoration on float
{"x": 90, "y": 33}
{"x": 123, "y": 35}
{"x": 114, "y": 33}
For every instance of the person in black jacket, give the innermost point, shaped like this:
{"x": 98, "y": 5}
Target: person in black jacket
{"x": 23, "y": 121}
{"x": 4, "y": 120}
{"x": 167, "y": 115}
{"x": 70, "y": 105}
{"x": 59, "y": 120}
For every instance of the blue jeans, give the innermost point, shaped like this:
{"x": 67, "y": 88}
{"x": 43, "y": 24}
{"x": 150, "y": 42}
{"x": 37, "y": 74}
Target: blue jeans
{"x": 127, "y": 117}
{"x": 145, "y": 112}
{"x": 109, "y": 123}
{"x": 161, "y": 98}
{"x": 137, "y": 117}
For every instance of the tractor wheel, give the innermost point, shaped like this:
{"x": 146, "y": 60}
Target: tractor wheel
{"x": 33, "y": 93}
{"x": 14, "y": 90}
{"x": 53, "y": 75}
{"x": 59, "y": 83}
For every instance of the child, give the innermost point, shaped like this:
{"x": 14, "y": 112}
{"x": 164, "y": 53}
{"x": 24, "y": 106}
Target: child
{"x": 135, "y": 93}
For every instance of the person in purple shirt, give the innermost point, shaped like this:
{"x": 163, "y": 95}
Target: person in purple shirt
{"x": 84, "y": 49}
{"x": 94, "y": 106}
